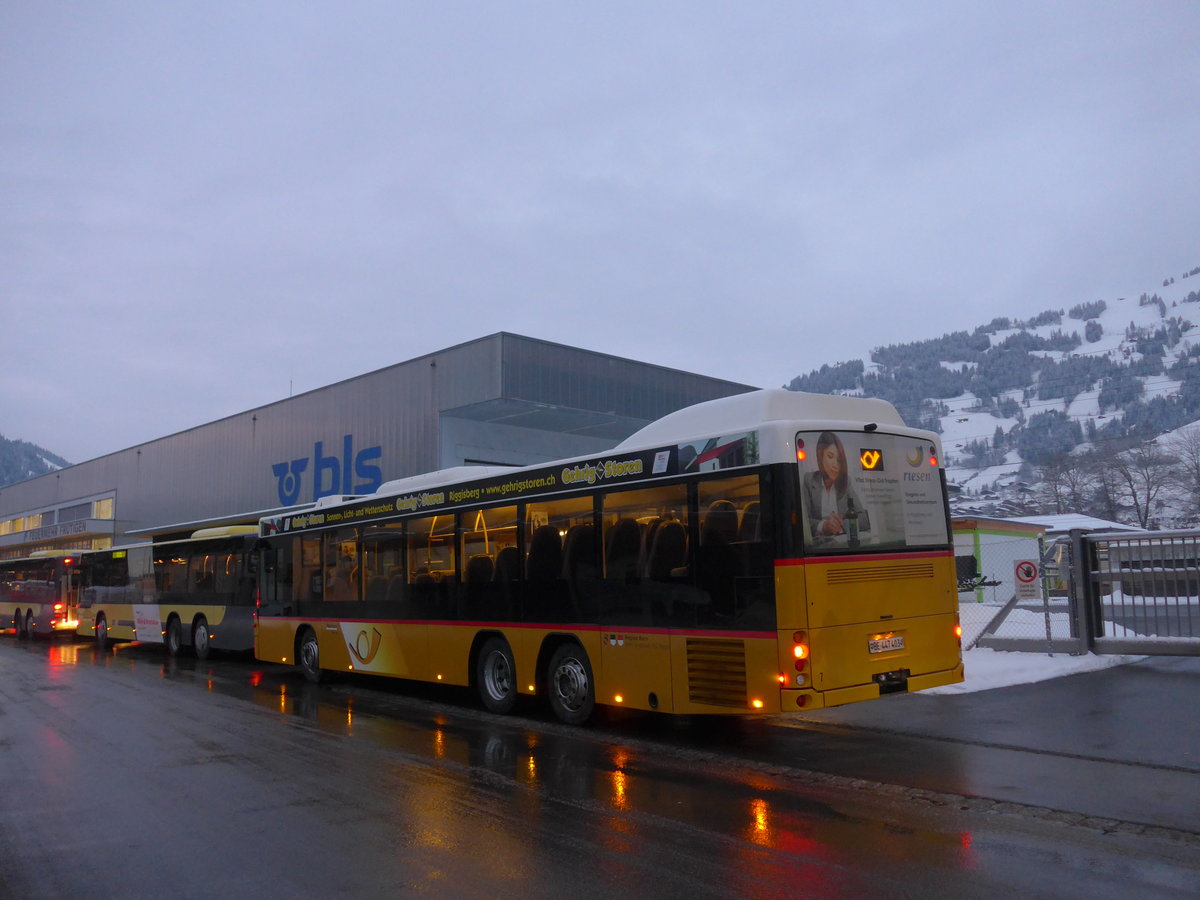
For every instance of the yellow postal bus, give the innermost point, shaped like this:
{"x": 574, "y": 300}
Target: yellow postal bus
{"x": 196, "y": 593}
{"x": 766, "y": 552}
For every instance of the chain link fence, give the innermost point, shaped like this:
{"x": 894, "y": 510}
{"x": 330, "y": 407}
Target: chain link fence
{"x": 1014, "y": 594}
{"x": 1104, "y": 593}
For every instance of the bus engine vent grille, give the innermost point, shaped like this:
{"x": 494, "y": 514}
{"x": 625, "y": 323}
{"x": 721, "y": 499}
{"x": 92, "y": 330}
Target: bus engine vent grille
{"x": 717, "y": 672}
{"x": 856, "y": 574}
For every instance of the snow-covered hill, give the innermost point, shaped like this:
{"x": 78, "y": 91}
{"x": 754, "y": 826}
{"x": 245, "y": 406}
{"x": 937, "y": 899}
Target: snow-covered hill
{"x": 1013, "y": 399}
{"x": 20, "y": 460}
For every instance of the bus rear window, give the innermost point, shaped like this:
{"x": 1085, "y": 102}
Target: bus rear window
{"x": 869, "y": 491}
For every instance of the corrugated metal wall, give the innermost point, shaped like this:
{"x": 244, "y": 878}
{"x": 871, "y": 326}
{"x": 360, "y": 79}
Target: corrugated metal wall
{"x": 228, "y": 466}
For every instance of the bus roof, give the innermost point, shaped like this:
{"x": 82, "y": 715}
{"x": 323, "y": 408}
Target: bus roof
{"x": 223, "y": 531}
{"x": 443, "y": 476}
{"x": 744, "y": 412}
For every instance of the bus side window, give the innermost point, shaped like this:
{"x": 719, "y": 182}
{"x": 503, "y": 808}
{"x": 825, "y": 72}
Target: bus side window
{"x": 549, "y": 573}
{"x": 734, "y": 564}
{"x": 431, "y": 567}
{"x": 383, "y": 569}
{"x": 341, "y": 572}
{"x": 646, "y": 545}
{"x": 488, "y": 540}
{"x": 306, "y": 554}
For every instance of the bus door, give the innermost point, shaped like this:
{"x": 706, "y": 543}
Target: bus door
{"x": 645, "y": 589}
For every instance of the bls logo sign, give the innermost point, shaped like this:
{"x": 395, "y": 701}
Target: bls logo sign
{"x": 331, "y": 475}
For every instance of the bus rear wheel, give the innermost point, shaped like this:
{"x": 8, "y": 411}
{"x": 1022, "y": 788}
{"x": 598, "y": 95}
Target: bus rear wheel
{"x": 19, "y": 624}
{"x": 29, "y": 627}
{"x": 309, "y": 656}
{"x": 496, "y": 676}
{"x": 174, "y": 639}
{"x": 200, "y": 638}
{"x": 570, "y": 685}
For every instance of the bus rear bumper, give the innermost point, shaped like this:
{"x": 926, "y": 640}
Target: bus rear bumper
{"x": 935, "y": 679}
{"x": 807, "y": 699}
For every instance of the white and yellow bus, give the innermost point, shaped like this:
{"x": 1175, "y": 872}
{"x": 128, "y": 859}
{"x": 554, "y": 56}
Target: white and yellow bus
{"x": 38, "y": 593}
{"x": 764, "y": 553}
{"x": 196, "y": 593}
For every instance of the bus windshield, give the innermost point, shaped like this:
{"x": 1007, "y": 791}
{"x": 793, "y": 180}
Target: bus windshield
{"x": 869, "y": 491}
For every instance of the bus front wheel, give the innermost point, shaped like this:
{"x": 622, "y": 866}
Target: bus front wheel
{"x": 29, "y": 628}
{"x": 569, "y": 684}
{"x": 101, "y": 634}
{"x": 496, "y": 676}
{"x": 309, "y": 656}
{"x": 19, "y": 624}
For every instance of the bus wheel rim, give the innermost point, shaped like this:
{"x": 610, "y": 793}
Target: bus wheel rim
{"x": 497, "y": 677}
{"x": 571, "y": 683}
{"x": 308, "y": 655}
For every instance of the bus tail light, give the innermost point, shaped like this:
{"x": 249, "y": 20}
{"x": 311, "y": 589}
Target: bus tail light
{"x": 958, "y": 631}
{"x": 800, "y": 454}
{"x": 800, "y": 649}
{"x": 58, "y": 607}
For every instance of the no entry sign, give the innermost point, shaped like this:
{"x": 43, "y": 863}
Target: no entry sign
{"x": 1026, "y": 576}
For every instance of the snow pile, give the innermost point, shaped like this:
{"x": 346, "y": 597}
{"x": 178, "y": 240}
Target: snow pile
{"x": 986, "y": 669}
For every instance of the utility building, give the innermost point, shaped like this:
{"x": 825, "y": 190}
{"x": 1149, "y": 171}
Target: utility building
{"x": 502, "y": 399}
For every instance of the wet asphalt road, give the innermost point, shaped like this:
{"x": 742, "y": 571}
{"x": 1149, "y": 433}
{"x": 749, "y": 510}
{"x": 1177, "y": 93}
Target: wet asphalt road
{"x": 124, "y": 774}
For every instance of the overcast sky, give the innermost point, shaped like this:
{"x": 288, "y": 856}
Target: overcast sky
{"x": 205, "y": 206}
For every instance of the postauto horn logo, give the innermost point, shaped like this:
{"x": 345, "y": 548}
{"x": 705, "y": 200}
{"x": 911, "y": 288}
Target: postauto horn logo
{"x": 351, "y": 473}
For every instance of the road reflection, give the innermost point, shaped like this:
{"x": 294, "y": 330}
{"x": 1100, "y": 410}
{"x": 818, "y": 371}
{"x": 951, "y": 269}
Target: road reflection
{"x": 471, "y": 779}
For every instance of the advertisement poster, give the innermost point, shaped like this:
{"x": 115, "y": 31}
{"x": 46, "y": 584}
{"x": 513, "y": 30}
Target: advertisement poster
{"x": 146, "y": 623}
{"x": 869, "y": 490}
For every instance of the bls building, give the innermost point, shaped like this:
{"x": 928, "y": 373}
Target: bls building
{"x": 502, "y": 399}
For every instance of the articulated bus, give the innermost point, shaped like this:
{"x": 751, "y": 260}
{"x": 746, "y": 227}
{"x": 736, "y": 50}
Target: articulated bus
{"x": 761, "y": 553}
{"x": 196, "y": 593}
{"x": 38, "y": 594}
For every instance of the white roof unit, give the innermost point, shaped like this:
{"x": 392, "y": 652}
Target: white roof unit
{"x": 743, "y": 412}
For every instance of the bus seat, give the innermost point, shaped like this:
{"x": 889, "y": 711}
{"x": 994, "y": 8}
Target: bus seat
{"x": 668, "y": 551}
{"x": 579, "y": 551}
{"x": 508, "y": 564}
{"x": 647, "y": 545}
{"x": 622, "y": 544}
{"x": 579, "y": 569}
{"x": 545, "y": 555}
{"x": 480, "y": 569}
{"x": 720, "y": 522}
{"x": 377, "y": 588}
{"x": 395, "y": 591}
{"x": 748, "y": 530}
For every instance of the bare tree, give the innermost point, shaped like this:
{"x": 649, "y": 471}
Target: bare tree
{"x": 1107, "y": 487}
{"x": 1052, "y": 491}
{"x": 1145, "y": 473}
{"x": 1185, "y": 446}
{"x": 1067, "y": 484}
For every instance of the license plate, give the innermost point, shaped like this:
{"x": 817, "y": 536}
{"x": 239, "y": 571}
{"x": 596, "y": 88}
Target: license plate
{"x": 884, "y": 644}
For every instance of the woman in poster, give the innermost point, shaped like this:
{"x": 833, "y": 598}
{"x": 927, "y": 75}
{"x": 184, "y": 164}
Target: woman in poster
{"x": 833, "y": 506}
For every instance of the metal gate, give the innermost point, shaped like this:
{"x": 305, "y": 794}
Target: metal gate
{"x": 1103, "y": 593}
{"x": 1142, "y": 593}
